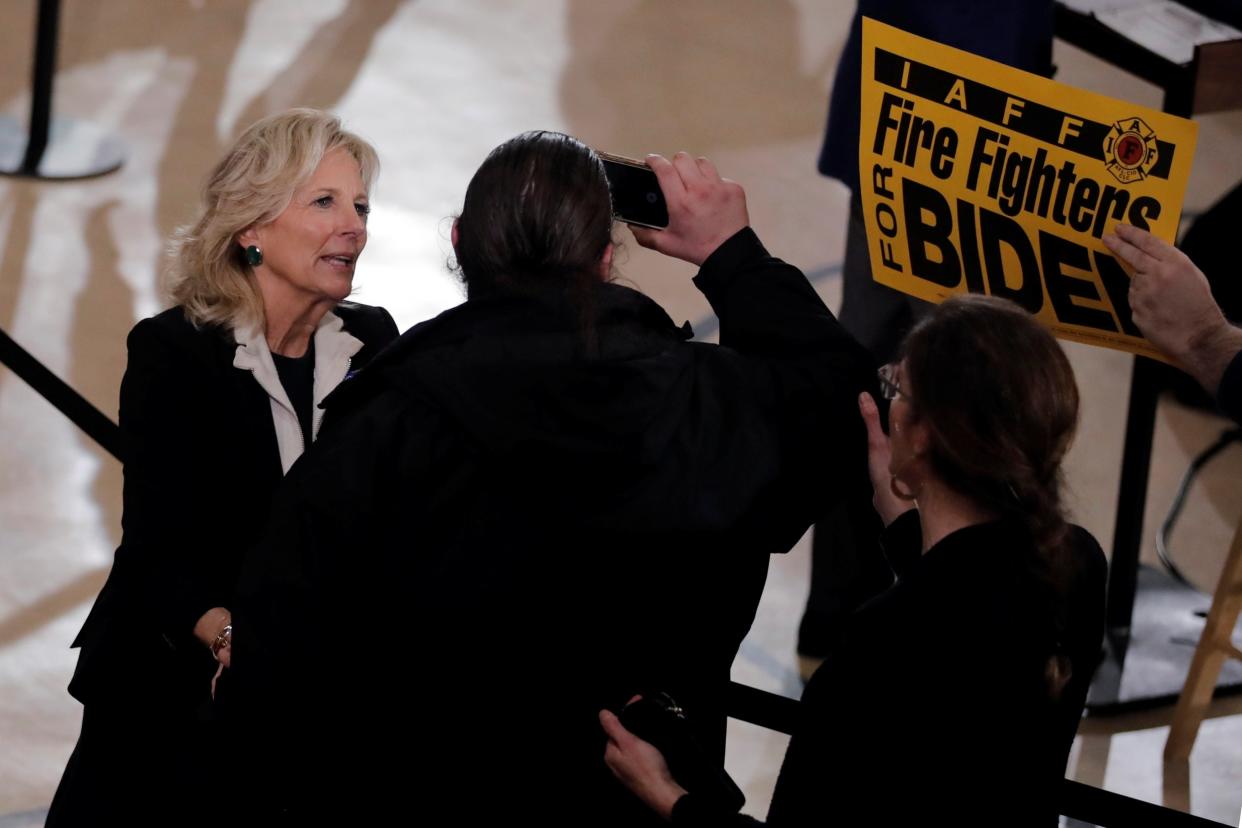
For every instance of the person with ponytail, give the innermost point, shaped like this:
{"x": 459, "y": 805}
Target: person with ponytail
{"x": 507, "y": 473}
{"x": 957, "y": 692}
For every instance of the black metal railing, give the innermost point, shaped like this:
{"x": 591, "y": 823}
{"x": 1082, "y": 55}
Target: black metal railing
{"x": 61, "y": 395}
{"x": 1085, "y": 803}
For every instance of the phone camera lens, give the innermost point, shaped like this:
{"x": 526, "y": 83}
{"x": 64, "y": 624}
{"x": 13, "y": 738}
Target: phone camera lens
{"x": 652, "y": 198}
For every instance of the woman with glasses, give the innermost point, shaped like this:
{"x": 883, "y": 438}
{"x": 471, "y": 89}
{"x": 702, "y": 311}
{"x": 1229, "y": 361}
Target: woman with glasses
{"x": 956, "y": 693}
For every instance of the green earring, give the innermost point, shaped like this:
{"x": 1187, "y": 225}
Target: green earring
{"x": 254, "y": 256}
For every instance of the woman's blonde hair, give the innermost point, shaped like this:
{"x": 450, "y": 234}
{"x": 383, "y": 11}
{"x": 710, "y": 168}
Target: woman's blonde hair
{"x": 253, "y": 184}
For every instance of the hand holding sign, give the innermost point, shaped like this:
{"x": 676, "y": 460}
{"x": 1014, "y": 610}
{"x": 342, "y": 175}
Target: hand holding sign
{"x": 1173, "y": 306}
{"x": 978, "y": 177}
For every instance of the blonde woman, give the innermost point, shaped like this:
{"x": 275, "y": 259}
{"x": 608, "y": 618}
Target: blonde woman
{"x": 220, "y": 397}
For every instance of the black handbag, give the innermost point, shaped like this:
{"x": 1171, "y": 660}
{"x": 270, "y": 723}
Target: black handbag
{"x": 658, "y": 719}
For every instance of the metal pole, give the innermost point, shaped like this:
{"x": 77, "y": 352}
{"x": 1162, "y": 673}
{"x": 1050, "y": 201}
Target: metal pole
{"x": 41, "y": 93}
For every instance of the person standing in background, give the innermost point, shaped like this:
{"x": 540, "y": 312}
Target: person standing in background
{"x": 1014, "y": 32}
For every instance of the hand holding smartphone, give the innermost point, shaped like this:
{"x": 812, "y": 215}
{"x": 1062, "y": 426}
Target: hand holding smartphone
{"x": 636, "y": 195}
{"x": 680, "y": 207}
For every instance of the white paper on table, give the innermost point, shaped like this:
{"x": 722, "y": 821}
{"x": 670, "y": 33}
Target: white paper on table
{"x": 1097, "y": 6}
{"x": 1169, "y": 29}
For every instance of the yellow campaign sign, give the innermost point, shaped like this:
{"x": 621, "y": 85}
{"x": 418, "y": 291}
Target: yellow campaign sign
{"x": 979, "y": 177}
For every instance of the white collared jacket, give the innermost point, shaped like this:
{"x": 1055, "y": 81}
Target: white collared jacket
{"x": 334, "y": 351}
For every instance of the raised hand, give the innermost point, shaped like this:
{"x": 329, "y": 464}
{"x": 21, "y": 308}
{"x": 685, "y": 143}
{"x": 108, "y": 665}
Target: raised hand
{"x": 704, "y": 210}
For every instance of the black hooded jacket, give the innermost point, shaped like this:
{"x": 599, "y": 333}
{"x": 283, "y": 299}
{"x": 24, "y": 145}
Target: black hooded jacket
{"x": 509, "y": 523}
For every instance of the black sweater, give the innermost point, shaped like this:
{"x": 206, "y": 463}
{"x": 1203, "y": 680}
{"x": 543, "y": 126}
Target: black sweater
{"x": 1229, "y": 396}
{"x": 934, "y": 708}
{"x": 201, "y": 466}
{"x": 526, "y": 524}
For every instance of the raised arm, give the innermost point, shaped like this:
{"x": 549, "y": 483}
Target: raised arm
{"x": 794, "y": 361}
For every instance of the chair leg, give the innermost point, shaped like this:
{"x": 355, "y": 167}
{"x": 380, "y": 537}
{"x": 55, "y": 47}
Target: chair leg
{"x": 1210, "y": 654}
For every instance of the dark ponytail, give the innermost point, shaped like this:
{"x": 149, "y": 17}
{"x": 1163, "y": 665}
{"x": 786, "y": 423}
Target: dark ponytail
{"x": 537, "y": 212}
{"x": 998, "y": 396}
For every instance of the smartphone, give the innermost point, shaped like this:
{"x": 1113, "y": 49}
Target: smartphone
{"x": 636, "y": 195}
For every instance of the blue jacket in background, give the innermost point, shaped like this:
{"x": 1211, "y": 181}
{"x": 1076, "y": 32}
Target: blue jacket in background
{"x": 1016, "y": 32}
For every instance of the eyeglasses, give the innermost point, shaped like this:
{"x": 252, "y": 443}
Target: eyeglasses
{"x": 889, "y": 389}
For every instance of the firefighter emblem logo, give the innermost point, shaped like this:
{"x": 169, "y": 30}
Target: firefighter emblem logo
{"x": 1130, "y": 150}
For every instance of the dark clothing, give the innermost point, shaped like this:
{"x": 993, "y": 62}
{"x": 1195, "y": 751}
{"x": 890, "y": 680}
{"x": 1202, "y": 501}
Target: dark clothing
{"x": 877, "y": 315}
{"x": 846, "y": 572}
{"x": 935, "y": 707}
{"x": 297, "y": 375}
{"x": 531, "y": 522}
{"x": 1015, "y": 32}
{"x": 201, "y": 466}
{"x": 1209, "y": 244}
{"x": 1229, "y": 395}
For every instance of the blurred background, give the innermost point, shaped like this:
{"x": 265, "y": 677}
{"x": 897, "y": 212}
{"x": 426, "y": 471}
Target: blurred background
{"x": 435, "y": 84}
